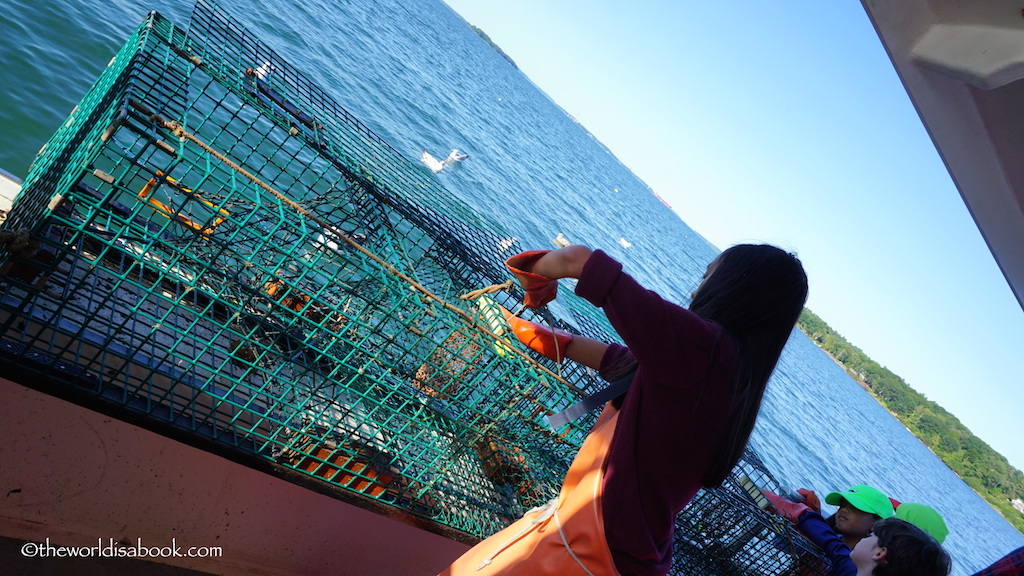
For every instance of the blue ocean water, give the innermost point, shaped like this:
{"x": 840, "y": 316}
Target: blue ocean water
{"x": 418, "y": 76}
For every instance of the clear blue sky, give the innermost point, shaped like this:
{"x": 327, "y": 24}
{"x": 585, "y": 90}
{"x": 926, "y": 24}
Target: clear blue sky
{"x": 786, "y": 123}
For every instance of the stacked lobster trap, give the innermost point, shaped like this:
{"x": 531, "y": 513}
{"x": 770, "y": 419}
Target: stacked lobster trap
{"x": 216, "y": 249}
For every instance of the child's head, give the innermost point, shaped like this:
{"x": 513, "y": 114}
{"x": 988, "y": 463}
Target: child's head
{"x": 898, "y": 548}
{"x": 859, "y": 508}
{"x": 924, "y": 517}
{"x": 750, "y": 288}
{"x": 755, "y": 293}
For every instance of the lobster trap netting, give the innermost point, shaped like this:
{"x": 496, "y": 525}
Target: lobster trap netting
{"x": 220, "y": 249}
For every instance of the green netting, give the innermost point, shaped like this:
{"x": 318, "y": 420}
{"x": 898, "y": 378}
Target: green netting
{"x": 228, "y": 254}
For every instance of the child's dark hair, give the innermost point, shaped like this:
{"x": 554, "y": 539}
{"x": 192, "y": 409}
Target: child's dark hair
{"x": 910, "y": 550}
{"x": 756, "y": 293}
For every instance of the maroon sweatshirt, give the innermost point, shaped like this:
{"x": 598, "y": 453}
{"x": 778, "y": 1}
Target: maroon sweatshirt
{"x": 673, "y": 419}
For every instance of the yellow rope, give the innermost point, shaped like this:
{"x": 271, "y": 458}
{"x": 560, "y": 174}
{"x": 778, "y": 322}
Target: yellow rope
{"x": 474, "y": 294}
{"x": 179, "y": 131}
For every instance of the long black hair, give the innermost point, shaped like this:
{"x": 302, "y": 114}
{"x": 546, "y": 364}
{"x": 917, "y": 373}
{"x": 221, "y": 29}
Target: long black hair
{"x": 756, "y": 293}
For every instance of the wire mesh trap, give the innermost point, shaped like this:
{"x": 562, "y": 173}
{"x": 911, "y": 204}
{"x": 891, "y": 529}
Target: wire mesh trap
{"x": 218, "y": 247}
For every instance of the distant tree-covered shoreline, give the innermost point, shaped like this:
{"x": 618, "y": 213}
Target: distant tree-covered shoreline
{"x": 491, "y": 43}
{"x": 981, "y": 467}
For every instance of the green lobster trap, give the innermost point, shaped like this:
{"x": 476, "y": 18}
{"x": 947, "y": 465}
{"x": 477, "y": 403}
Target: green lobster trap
{"x": 221, "y": 252}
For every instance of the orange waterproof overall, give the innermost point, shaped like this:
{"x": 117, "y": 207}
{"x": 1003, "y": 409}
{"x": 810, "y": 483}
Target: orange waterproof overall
{"x": 563, "y": 538}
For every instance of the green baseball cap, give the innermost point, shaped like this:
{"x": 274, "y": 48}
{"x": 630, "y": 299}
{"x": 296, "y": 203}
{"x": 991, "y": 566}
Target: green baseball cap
{"x": 863, "y": 498}
{"x": 924, "y": 517}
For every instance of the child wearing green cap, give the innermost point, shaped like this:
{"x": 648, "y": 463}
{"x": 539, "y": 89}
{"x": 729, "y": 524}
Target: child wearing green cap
{"x": 924, "y": 517}
{"x": 860, "y": 507}
{"x": 895, "y": 547}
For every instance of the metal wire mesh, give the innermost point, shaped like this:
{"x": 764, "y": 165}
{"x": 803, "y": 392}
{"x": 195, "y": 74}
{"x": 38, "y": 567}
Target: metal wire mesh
{"x": 227, "y": 252}
{"x": 732, "y": 531}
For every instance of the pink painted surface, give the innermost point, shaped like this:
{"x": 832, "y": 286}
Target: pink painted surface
{"x": 75, "y": 476}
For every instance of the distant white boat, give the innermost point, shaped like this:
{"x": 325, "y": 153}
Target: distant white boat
{"x": 561, "y": 241}
{"x": 624, "y": 243}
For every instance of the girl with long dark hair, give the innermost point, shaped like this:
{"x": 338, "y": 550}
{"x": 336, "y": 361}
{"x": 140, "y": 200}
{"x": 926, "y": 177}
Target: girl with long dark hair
{"x": 681, "y": 425}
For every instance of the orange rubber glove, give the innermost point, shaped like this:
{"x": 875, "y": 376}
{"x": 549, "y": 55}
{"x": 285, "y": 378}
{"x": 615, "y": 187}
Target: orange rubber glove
{"x": 810, "y": 499}
{"x": 539, "y": 289}
{"x": 549, "y": 343}
{"x": 789, "y": 510}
